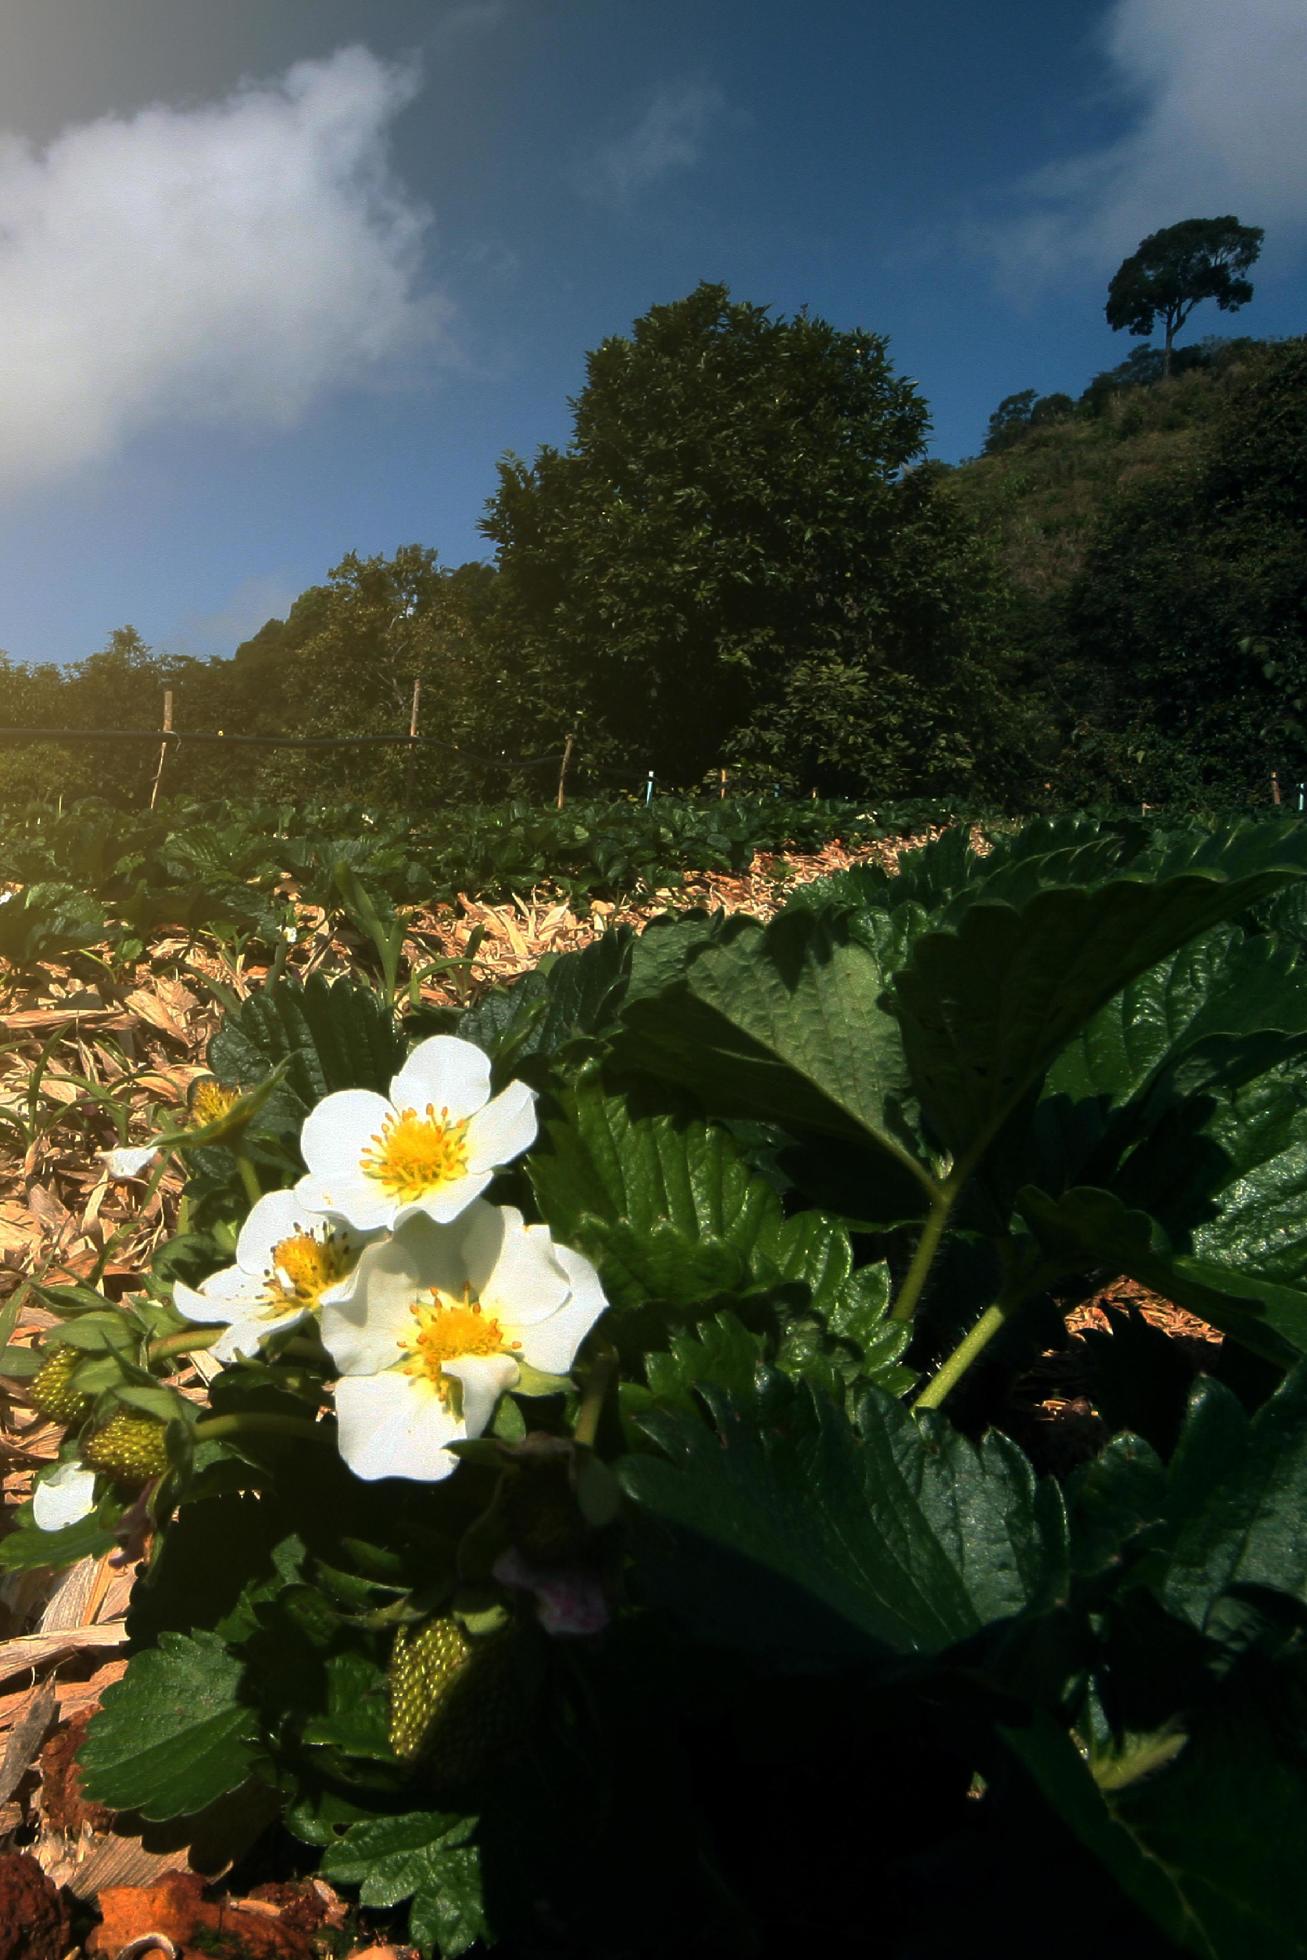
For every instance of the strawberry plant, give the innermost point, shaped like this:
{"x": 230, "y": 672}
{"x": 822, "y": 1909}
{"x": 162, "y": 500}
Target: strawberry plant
{"x": 614, "y": 1522}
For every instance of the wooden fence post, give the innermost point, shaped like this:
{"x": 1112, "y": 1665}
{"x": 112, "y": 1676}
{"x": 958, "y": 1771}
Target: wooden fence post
{"x": 163, "y": 746}
{"x": 562, "y": 772}
{"x": 412, "y": 740}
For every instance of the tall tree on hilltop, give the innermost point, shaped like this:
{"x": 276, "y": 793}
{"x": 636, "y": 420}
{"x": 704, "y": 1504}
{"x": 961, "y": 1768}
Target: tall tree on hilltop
{"x": 732, "y": 508}
{"x": 1174, "y": 269}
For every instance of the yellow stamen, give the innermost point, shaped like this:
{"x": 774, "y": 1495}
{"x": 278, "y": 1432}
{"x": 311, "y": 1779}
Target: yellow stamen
{"x": 303, "y": 1267}
{"x": 446, "y": 1330}
{"x": 210, "y": 1102}
{"x": 412, "y": 1154}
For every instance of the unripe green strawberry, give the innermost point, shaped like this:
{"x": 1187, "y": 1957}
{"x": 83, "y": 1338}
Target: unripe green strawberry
{"x": 129, "y": 1447}
{"x": 455, "y": 1701}
{"x": 52, "y": 1391}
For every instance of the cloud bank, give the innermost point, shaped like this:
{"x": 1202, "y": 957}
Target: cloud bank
{"x": 1219, "y": 125}
{"x": 669, "y": 136}
{"x": 227, "y": 262}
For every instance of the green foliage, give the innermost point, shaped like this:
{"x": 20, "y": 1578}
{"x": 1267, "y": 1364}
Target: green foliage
{"x": 47, "y": 922}
{"x": 175, "y": 1735}
{"x": 798, "y": 1536}
{"x": 833, "y": 1173}
{"x": 425, "y": 1857}
{"x": 730, "y": 527}
{"x": 1187, "y": 616}
{"x": 1176, "y": 268}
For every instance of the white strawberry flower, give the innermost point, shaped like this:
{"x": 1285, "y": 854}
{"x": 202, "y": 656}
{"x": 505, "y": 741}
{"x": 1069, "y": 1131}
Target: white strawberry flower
{"x": 434, "y": 1326}
{"x": 430, "y": 1148}
{"x": 63, "y": 1496}
{"x": 289, "y": 1263}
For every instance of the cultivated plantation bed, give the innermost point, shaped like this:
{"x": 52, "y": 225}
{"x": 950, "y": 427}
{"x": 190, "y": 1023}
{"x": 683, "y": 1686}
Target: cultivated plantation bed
{"x": 89, "y": 1062}
{"x": 794, "y": 1414}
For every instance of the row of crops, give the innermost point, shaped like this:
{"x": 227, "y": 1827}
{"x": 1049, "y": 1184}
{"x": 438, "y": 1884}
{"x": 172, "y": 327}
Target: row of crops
{"x": 596, "y": 1502}
{"x": 93, "y": 874}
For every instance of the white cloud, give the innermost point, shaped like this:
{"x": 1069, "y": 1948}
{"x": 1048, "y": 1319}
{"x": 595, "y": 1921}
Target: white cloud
{"x": 1219, "y": 96}
{"x": 226, "y": 262}
{"x": 669, "y": 136}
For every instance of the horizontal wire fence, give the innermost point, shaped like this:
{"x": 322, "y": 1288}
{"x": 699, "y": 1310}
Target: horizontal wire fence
{"x": 637, "y": 782}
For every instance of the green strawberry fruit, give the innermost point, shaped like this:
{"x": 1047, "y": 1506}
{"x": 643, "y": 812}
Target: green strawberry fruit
{"x": 52, "y": 1392}
{"x": 456, "y": 1701}
{"x": 131, "y": 1448}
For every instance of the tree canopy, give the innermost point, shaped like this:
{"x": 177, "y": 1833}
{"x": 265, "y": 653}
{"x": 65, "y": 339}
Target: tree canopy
{"x": 1174, "y": 269}
{"x": 736, "y": 509}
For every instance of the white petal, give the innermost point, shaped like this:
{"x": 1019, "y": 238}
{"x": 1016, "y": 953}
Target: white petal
{"x": 276, "y": 1216}
{"x": 367, "y": 1329}
{"x": 512, "y": 1266}
{"x": 360, "y": 1201}
{"x": 503, "y": 1129}
{"x": 220, "y": 1297}
{"x": 446, "y": 1072}
{"x": 484, "y": 1378}
{"x": 129, "y": 1160}
{"x": 63, "y": 1497}
{"x": 395, "y": 1425}
{"x": 447, "y": 1202}
{"x": 551, "y": 1344}
{"x": 339, "y": 1130}
{"x": 245, "y": 1337}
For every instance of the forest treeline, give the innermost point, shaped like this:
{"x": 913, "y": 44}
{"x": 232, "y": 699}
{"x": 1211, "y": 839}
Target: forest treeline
{"x": 742, "y": 560}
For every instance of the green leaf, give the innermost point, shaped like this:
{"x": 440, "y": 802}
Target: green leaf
{"x": 173, "y": 1734}
{"x": 338, "y": 1036}
{"x": 720, "y": 1350}
{"x": 540, "y": 1014}
{"x": 986, "y": 1005}
{"x": 1237, "y": 1495}
{"x": 783, "y": 1023}
{"x": 1211, "y": 1212}
{"x": 1220, "y": 1010}
{"x": 425, "y": 1856}
{"x": 28, "y": 1549}
{"x": 1201, "y": 1845}
{"x": 666, "y": 1207}
{"x": 1222, "y": 1520}
{"x": 778, "y": 1527}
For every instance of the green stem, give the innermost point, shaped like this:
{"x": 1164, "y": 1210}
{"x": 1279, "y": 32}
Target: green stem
{"x": 950, "y": 1374}
{"x": 249, "y": 1177}
{"x": 923, "y": 1258}
{"x": 212, "y": 1429}
{"x": 186, "y": 1341}
{"x": 598, "y": 1381}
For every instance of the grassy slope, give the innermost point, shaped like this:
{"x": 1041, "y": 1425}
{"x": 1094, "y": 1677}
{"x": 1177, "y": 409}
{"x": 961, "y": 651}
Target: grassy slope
{"x": 1040, "y": 497}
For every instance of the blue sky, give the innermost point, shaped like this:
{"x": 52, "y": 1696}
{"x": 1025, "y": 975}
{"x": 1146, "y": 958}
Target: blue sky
{"x": 283, "y": 278}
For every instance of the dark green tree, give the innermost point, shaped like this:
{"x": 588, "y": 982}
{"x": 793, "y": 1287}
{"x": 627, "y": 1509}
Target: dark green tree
{"x": 1176, "y": 268}
{"x": 1187, "y": 626}
{"x": 733, "y": 512}
{"x": 1009, "y": 421}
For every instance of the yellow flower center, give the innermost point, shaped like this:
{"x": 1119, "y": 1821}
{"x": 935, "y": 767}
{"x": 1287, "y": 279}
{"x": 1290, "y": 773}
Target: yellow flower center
{"x": 210, "y": 1102}
{"x": 446, "y": 1330}
{"x": 303, "y": 1267}
{"x": 412, "y": 1154}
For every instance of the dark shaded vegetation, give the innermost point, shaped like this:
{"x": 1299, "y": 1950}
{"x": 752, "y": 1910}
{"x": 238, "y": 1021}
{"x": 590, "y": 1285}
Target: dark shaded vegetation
{"x": 743, "y": 561}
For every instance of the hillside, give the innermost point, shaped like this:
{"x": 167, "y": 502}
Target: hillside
{"x": 1039, "y": 494}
